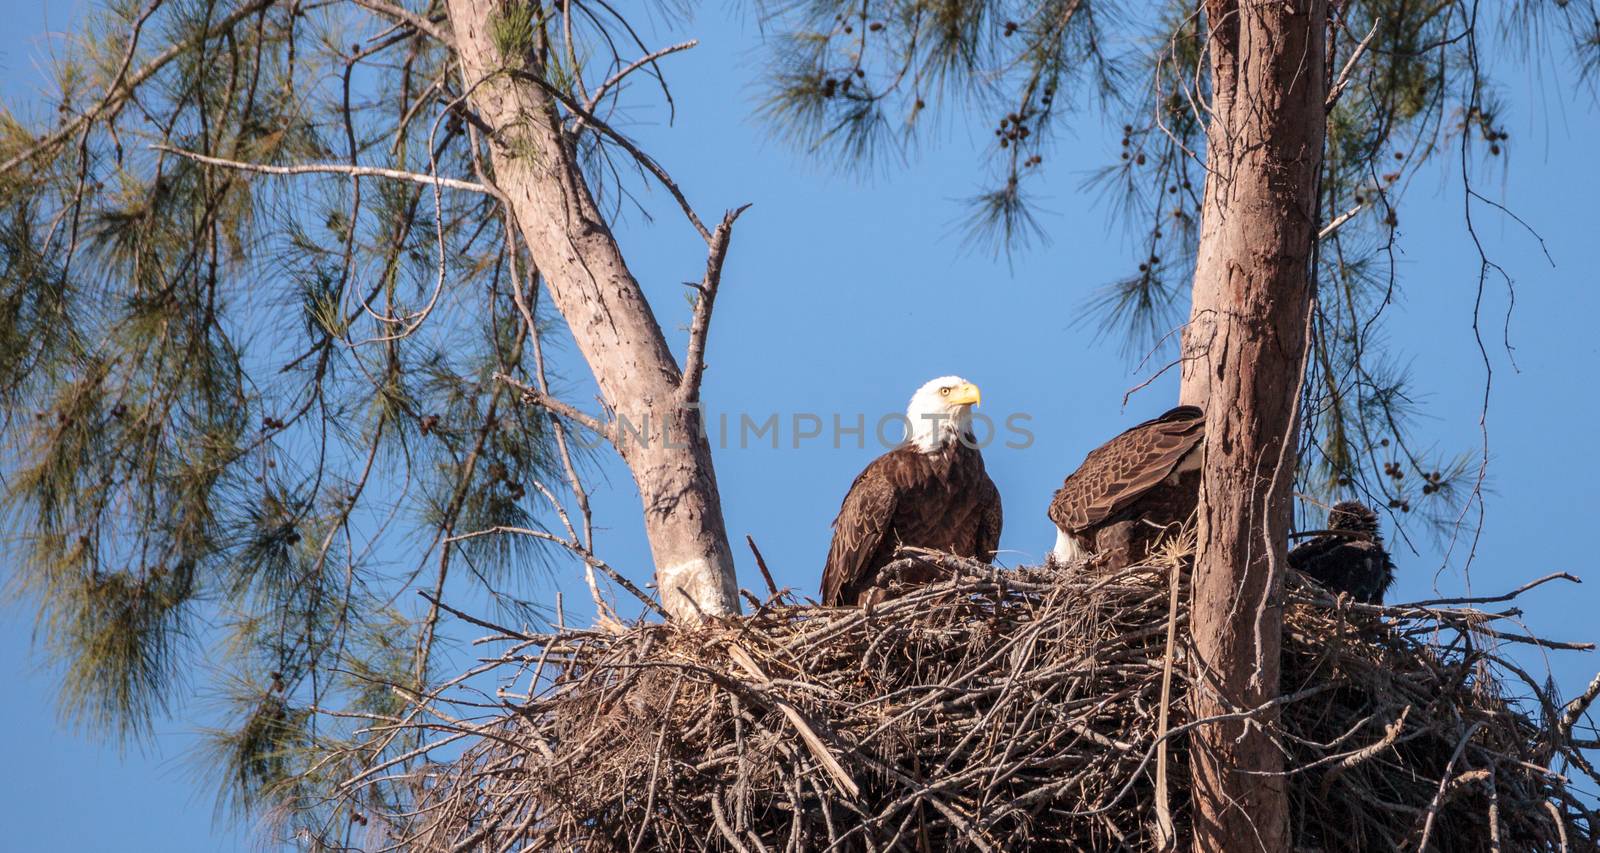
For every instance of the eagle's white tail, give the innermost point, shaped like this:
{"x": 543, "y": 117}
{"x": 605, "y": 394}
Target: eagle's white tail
{"x": 1067, "y": 550}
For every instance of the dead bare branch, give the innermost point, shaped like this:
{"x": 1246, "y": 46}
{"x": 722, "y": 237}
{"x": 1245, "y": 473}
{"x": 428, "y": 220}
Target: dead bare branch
{"x": 330, "y": 169}
{"x": 694, "y": 363}
{"x": 410, "y": 19}
{"x": 1349, "y": 67}
{"x": 539, "y": 398}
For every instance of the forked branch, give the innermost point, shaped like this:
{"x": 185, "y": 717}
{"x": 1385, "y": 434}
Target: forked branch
{"x": 694, "y": 364}
{"x": 411, "y": 19}
{"x": 533, "y": 395}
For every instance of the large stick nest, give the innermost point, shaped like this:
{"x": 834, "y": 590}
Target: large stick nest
{"x": 1003, "y": 710}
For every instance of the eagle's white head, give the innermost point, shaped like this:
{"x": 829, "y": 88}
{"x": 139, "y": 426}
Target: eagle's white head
{"x": 940, "y": 411}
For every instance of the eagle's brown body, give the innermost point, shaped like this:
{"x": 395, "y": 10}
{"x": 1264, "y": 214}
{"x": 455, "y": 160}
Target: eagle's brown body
{"x": 1351, "y": 558}
{"x": 1133, "y": 489}
{"x": 943, "y": 500}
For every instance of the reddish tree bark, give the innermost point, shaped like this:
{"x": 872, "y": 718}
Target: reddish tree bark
{"x": 1243, "y": 351}
{"x": 536, "y": 167}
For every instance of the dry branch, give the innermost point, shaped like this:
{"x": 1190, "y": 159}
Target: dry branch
{"x": 694, "y": 363}
{"x": 327, "y": 169}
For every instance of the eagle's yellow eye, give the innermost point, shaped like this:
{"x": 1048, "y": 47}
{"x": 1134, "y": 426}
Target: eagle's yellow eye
{"x": 945, "y": 391}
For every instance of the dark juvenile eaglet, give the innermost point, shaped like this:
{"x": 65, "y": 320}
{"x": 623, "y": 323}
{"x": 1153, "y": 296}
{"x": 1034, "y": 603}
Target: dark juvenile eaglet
{"x": 1131, "y": 490}
{"x": 1351, "y": 558}
{"x": 931, "y": 492}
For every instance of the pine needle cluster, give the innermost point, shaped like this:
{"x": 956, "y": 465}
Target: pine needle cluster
{"x": 854, "y": 81}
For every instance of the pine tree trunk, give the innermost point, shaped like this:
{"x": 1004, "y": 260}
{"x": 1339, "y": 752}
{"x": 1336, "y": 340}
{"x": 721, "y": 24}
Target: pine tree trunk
{"x": 615, "y": 330}
{"x": 1243, "y": 351}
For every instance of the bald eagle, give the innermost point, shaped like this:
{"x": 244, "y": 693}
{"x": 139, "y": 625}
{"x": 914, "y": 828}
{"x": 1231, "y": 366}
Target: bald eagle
{"x": 1350, "y": 557}
{"x": 1129, "y": 490}
{"x": 930, "y": 492}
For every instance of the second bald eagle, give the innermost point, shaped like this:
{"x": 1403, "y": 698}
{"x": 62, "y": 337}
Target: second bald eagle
{"x": 1130, "y": 491}
{"x": 930, "y": 492}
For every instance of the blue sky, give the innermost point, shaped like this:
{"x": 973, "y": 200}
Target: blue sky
{"x": 843, "y": 295}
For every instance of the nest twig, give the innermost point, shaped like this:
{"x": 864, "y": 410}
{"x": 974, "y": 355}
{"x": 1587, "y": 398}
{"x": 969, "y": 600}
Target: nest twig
{"x": 998, "y": 710}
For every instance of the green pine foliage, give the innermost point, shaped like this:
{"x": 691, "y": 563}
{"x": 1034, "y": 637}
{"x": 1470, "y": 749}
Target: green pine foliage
{"x": 256, "y": 412}
{"x": 246, "y": 414}
{"x": 853, "y": 81}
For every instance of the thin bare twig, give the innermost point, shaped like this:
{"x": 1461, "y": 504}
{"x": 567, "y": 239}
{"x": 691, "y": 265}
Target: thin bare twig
{"x": 481, "y": 623}
{"x": 1166, "y": 832}
{"x": 540, "y": 398}
{"x": 807, "y": 731}
{"x": 1332, "y": 227}
{"x": 694, "y": 362}
{"x": 644, "y": 160}
{"x": 1491, "y": 599}
{"x": 761, "y": 563}
{"x": 576, "y": 548}
{"x": 647, "y": 59}
{"x": 1349, "y": 67}
{"x": 411, "y": 19}
{"x": 330, "y": 169}
{"x": 1575, "y": 709}
{"x": 1445, "y": 781}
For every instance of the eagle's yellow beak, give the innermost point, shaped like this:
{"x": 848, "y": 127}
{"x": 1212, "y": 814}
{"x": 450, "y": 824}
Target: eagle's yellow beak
{"x": 964, "y": 394}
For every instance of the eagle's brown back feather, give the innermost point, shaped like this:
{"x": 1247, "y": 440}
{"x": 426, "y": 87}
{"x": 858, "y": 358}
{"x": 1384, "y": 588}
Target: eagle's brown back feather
{"x": 1117, "y": 474}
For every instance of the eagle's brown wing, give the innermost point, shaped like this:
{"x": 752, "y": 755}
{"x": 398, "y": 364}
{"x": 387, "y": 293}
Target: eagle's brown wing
{"x": 990, "y": 519}
{"x": 1116, "y": 473}
{"x": 864, "y": 520}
